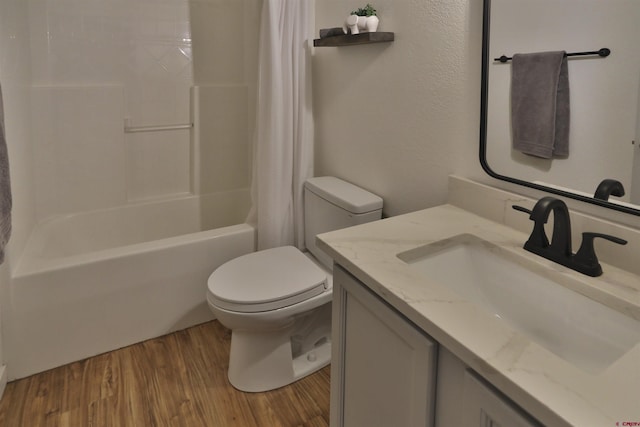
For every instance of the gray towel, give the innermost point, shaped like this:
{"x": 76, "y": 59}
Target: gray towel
{"x": 5, "y": 187}
{"x": 540, "y": 110}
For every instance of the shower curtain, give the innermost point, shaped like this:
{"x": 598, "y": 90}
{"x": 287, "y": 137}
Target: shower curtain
{"x": 283, "y": 143}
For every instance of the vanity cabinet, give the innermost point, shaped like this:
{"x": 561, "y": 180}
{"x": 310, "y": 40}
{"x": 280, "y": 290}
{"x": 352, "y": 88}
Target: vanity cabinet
{"x": 383, "y": 368}
{"x": 384, "y": 371}
{"x": 463, "y": 398}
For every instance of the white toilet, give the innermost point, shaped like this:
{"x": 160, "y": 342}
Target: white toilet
{"x": 277, "y": 302}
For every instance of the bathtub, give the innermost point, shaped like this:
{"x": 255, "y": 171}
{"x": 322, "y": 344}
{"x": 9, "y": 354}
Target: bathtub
{"x": 93, "y": 282}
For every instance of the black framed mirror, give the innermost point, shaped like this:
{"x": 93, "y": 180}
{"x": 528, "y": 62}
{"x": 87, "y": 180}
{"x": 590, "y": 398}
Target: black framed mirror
{"x": 605, "y": 95}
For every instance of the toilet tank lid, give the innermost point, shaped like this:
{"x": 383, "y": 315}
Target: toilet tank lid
{"x": 343, "y": 194}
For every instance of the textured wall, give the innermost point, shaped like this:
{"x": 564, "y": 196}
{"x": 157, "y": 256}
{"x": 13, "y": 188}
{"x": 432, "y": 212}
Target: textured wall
{"x": 398, "y": 118}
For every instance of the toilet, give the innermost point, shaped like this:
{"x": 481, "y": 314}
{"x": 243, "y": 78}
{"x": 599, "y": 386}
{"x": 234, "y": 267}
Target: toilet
{"x": 277, "y": 302}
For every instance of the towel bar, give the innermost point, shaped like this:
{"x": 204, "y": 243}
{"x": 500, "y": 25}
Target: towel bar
{"x": 604, "y": 52}
{"x": 135, "y": 129}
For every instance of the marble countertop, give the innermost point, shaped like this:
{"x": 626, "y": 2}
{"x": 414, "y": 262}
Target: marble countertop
{"x": 551, "y": 389}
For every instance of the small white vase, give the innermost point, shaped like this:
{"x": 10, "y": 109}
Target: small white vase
{"x": 351, "y": 25}
{"x": 372, "y": 24}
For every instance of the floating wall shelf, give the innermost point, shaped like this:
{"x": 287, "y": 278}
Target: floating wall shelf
{"x": 353, "y": 39}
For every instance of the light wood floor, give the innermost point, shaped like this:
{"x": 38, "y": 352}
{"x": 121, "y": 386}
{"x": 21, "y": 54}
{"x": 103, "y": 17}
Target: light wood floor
{"x": 175, "y": 380}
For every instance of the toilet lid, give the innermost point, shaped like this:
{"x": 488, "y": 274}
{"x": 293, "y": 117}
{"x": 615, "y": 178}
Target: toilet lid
{"x": 266, "y": 280}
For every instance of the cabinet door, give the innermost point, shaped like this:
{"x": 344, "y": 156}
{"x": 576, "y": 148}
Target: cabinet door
{"x": 383, "y": 368}
{"x": 484, "y": 407}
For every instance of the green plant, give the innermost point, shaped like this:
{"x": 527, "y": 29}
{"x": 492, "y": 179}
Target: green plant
{"x": 368, "y": 10}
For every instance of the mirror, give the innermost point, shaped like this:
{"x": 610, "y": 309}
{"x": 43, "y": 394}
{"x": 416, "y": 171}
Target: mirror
{"x": 604, "y": 136}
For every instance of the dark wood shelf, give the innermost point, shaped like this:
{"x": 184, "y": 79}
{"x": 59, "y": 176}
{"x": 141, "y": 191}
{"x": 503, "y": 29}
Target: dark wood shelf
{"x": 353, "y": 39}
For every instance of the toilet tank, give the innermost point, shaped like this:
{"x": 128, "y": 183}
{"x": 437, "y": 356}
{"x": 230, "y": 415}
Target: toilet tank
{"x": 331, "y": 204}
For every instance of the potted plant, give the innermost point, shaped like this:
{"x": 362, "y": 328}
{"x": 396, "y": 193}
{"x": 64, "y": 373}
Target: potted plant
{"x": 368, "y": 10}
{"x": 362, "y": 19}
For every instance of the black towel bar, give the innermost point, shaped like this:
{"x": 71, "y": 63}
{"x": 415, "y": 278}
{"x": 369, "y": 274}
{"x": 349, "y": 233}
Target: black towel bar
{"x": 604, "y": 52}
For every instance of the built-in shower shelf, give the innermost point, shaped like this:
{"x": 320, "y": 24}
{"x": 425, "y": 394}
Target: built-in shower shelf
{"x": 353, "y": 39}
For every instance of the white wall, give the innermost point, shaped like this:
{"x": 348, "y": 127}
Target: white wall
{"x": 15, "y": 79}
{"x": 398, "y": 118}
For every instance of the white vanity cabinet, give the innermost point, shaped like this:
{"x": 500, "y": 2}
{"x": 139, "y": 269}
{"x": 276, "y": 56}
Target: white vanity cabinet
{"x": 383, "y": 367}
{"x": 465, "y": 399}
{"x": 383, "y": 371}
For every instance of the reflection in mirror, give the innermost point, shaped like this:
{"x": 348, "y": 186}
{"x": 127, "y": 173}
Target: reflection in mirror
{"x": 604, "y": 130}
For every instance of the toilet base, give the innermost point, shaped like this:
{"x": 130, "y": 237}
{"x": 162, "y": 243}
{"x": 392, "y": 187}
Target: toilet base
{"x": 272, "y": 366}
{"x": 266, "y": 360}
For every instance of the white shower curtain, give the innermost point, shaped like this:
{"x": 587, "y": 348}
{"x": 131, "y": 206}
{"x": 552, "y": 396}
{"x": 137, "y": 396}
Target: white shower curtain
{"x": 283, "y": 143}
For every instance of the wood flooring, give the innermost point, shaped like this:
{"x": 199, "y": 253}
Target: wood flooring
{"x": 176, "y": 380}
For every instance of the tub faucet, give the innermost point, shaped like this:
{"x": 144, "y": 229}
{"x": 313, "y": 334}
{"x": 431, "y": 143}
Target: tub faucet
{"x": 559, "y": 249}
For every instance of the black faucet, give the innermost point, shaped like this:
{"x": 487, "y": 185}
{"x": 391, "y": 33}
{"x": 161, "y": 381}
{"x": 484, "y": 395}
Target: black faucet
{"x": 609, "y": 187}
{"x": 559, "y": 250}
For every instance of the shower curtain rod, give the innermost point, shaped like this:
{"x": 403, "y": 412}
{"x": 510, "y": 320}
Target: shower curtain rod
{"x": 604, "y": 52}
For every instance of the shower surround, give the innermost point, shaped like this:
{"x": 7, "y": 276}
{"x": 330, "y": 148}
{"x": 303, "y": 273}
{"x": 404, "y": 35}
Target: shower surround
{"x": 125, "y": 227}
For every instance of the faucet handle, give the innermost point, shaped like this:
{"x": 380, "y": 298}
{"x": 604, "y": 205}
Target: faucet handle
{"x": 614, "y": 239}
{"x": 538, "y": 238}
{"x": 586, "y": 255}
{"x": 522, "y": 209}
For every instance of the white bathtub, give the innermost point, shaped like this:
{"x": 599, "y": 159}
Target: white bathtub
{"x": 94, "y": 282}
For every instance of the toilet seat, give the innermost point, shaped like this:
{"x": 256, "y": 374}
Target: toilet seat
{"x": 266, "y": 280}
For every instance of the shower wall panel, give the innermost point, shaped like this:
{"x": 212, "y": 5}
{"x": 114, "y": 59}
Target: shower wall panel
{"x": 79, "y": 148}
{"x": 158, "y": 164}
{"x": 221, "y": 147}
{"x": 15, "y": 72}
{"x": 148, "y": 54}
{"x": 85, "y": 54}
{"x": 219, "y": 30}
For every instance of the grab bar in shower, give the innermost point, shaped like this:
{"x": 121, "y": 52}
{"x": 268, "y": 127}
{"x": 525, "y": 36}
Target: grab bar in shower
{"x": 134, "y": 129}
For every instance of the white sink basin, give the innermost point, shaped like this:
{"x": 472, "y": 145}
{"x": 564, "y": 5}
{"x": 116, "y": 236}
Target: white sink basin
{"x": 583, "y": 332}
